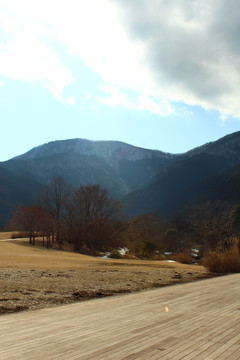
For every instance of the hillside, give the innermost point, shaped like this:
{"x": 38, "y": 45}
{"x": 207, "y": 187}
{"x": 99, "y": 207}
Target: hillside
{"x": 17, "y": 186}
{"x": 208, "y": 173}
{"x": 227, "y": 147}
{"x": 116, "y": 166}
{"x": 146, "y": 180}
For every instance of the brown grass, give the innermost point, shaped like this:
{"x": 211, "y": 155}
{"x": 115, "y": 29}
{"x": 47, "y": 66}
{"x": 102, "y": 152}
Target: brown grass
{"x": 6, "y": 235}
{"x": 18, "y": 254}
{"x": 34, "y": 277}
{"x": 225, "y": 261}
{"x": 182, "y": 257}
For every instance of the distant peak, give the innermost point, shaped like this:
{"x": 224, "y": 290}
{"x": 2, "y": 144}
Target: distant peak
{"x": 111, "y": 151}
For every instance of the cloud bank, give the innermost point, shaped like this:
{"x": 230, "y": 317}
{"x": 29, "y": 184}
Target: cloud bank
{"x": 149, "y": 55}
{"x": 191, "y": 47}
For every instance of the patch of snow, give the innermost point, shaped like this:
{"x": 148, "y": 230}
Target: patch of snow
{"x": 123, "y": 251}
{"x": 105, "y": 255}
{"x": 194, "y": 252}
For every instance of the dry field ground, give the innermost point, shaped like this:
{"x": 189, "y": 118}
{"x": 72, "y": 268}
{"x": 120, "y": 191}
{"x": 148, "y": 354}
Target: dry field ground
{"x": 32, "y": 278}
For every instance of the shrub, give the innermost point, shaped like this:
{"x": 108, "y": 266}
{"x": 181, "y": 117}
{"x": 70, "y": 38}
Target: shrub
{"x": 225, "y": 261}
{"x": 182, "y": 257}
{"x": 115, "y": 254}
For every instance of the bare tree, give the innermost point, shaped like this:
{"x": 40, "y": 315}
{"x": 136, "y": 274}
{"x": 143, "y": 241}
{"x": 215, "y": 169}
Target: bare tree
{"x": 92, "y": 202}
{"x": 97, "y": 218}
{"x": 213, "y": 224}
{"x": 54, "y": 199}
{"x": 47, "y": 225}
{"x": 30, "y": 220}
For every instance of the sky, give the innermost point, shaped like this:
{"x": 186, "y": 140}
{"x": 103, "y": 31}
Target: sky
{"x": 156, "y": 74}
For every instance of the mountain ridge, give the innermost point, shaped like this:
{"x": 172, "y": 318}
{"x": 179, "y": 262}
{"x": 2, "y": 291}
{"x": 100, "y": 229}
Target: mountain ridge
{"x": 145, "y": 179}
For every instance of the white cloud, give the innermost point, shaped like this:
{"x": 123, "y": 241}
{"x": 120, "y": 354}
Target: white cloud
{"x": 24, "y": 57}
{"x": 119, "y": 97}
{"x": 90, "y": 30}
{"x": 192, "y": 49}
{"x": 170, "y": 51}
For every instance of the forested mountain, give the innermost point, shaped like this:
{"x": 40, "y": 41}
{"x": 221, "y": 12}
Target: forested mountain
{"x": 227, "y": 147}
{"x": 208, "y": 173}
{"x": 116, "y": 166}
{"x": 146, "y": 180}
{"x": 17, "y": 186}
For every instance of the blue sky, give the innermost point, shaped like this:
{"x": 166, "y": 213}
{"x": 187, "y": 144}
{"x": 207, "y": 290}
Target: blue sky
{"x": 160, "y": 75}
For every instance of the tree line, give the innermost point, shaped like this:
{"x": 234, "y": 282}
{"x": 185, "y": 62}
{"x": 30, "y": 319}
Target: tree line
{"x": 209, "y": 227}
{"x": 90, "y": 221}
{"x": 86, "y": 218}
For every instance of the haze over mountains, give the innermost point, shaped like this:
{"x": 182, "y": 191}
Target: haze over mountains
{"x": 145, "y": 180}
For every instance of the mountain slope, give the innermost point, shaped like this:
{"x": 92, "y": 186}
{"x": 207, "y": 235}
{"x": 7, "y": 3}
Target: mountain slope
{"x": 133, "y": 166}
{"x": 16, "y": 187}
{"x": 227, "y": 147}
{"x": 210, "y": 172}
{"x": 147, "y": 180}
{"x": 223, "y": 187}
{"x": 116, "y": 166}
{"x": 178, "y": 178}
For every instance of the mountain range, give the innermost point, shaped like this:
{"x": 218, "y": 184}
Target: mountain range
{"x": 145, "y": 180}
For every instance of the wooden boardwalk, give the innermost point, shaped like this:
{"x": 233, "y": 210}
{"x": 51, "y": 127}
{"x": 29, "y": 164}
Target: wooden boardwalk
{"x": 202, "y": 322}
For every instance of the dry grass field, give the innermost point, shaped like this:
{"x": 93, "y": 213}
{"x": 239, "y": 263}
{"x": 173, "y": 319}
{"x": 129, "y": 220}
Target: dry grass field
{"x": 5, "y": 235}
{"x": 32, "y": 278}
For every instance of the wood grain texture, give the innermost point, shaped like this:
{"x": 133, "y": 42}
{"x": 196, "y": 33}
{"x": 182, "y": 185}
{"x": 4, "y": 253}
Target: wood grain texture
{"x": 202, "y": 322}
